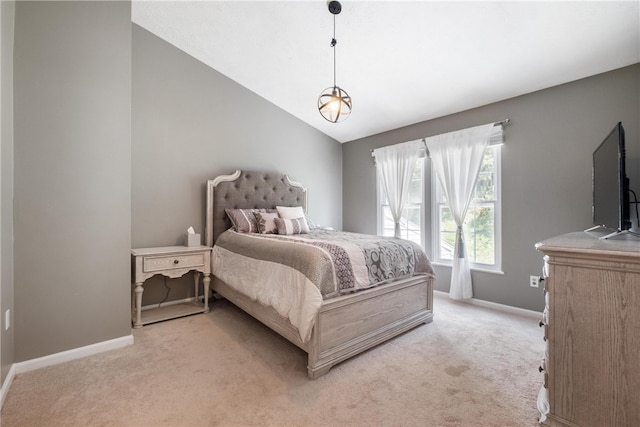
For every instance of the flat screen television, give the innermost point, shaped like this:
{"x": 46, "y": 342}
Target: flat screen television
{"x": 610, "y": 184}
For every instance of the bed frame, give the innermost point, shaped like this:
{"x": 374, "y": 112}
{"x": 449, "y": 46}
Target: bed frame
{"x": 346, "y": 325}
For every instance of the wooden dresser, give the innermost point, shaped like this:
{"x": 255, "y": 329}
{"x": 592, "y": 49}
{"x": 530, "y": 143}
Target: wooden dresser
{"x": 592, "y": 328}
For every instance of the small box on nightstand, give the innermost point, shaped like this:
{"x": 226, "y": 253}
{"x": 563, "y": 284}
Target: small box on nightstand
{"x": 192, "y": 240}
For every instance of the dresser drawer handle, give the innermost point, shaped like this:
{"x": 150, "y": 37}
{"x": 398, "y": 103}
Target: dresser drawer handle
{"x": 175, "y": 261}
{"x": 541, "y": 323}
{"x": 546, "y": 380}
{"x": 540, "y": 369}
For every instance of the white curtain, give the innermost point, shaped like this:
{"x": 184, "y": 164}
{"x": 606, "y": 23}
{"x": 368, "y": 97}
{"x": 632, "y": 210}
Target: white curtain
{"x": 456, "y": 158}
{"x": 395, "y": 165}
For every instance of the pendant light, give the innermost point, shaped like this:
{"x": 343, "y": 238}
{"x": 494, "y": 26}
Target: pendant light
{"x": 334, "y": 103}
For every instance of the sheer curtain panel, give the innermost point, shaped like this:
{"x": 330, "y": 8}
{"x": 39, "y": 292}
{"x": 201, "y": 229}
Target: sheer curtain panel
{"x": 456, "y": 158}
{"x": 395, "y": 165}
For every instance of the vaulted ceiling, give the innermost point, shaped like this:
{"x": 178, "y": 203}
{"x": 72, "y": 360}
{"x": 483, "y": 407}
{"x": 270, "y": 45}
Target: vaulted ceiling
{"x": 402, "y": 62}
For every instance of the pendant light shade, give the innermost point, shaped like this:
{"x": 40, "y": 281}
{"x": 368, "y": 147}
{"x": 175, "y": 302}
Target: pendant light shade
{"x": 334, "y": 102}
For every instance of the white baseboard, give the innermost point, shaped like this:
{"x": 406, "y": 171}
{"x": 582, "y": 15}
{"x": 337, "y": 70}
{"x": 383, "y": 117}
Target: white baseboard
{"x": 75, "y": 353}
{"x": 57, "y": 358}
{"x": 500, "y": 307}
{"x": 6, "y": 384}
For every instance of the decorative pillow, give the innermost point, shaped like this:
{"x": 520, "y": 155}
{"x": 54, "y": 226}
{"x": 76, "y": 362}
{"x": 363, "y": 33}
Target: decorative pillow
{"x": 244, "y": 220}
{"x": 312, "y": 225}
{"x": 292, "y": 226}
{"x": 266, "y": 222}
{"x": 294, "y": 212}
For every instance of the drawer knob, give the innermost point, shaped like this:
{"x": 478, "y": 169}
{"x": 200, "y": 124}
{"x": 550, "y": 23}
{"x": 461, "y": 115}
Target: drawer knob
{"x": 175, "y": 261}
{"x": 540, "y": 369}
{"x": 541, "y": 323}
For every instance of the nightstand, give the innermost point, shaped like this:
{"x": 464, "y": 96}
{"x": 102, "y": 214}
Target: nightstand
{"x": 172, "y": 262}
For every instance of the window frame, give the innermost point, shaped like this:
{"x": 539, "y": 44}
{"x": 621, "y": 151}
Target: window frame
{"x": 497, "y": 205}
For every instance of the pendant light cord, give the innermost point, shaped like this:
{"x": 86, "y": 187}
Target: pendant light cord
{"x": 333, "y": 45}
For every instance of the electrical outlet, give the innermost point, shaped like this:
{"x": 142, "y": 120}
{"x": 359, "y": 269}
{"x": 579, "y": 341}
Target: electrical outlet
{"x": 534, "y": 281}
{"x": 7, "y": 319}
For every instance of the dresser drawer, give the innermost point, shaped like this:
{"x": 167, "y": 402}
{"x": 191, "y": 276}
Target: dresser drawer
{"x": 171, "y": 262}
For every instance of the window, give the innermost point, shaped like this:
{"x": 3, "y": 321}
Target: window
{"x": 482, "y": 227}
{"x": 412, "y": 220}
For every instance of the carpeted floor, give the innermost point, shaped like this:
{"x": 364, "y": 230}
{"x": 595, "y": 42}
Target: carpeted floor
{"x": 471, "y": 367}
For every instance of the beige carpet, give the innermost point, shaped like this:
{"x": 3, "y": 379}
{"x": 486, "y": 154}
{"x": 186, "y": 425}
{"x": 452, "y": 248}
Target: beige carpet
{"x": 470, "y": 367}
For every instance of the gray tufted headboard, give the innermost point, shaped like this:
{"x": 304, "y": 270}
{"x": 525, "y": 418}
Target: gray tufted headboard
{"x": 246, "y": 190}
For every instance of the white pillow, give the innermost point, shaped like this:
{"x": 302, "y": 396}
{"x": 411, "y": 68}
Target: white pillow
{"x": 266, "y": 223}
{"x": 290, "y": 212}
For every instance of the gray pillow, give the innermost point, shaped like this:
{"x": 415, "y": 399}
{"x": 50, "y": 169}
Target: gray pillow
{"x": 244, "y": 220}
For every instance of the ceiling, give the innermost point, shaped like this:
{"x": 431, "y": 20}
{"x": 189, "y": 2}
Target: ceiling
{"x": 402, "y": 62}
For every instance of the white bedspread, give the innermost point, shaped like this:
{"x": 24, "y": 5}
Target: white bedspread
{"x": 285, "y": 289}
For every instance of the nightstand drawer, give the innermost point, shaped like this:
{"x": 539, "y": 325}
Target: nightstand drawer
{"x": 160, "y": 263}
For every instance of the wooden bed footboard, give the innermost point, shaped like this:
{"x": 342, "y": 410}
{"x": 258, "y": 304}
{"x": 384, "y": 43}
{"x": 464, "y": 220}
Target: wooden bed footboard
{"x": 351, "y": 324}
{"x": 348, "y": 325}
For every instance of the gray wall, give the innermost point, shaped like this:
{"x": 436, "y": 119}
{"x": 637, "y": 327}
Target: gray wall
{"x": 546, "y": 171}
{"x": 191, "y": 124}
{"x": 72, "y": 87}
{"x": 7, "y": 12}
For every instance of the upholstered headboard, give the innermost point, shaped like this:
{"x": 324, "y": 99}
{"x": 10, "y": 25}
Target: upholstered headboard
{"x": 246, "y": 190}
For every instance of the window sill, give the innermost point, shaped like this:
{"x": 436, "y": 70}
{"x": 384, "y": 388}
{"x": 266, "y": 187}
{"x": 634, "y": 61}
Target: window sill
{"x": 483, "y": 270}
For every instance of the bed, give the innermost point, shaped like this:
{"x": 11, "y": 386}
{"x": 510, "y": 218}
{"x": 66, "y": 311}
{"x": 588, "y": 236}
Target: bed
{"x": 344, "y": 322}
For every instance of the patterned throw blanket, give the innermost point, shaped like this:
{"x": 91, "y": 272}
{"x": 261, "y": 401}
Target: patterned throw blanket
{"x": 357, "y": 261}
